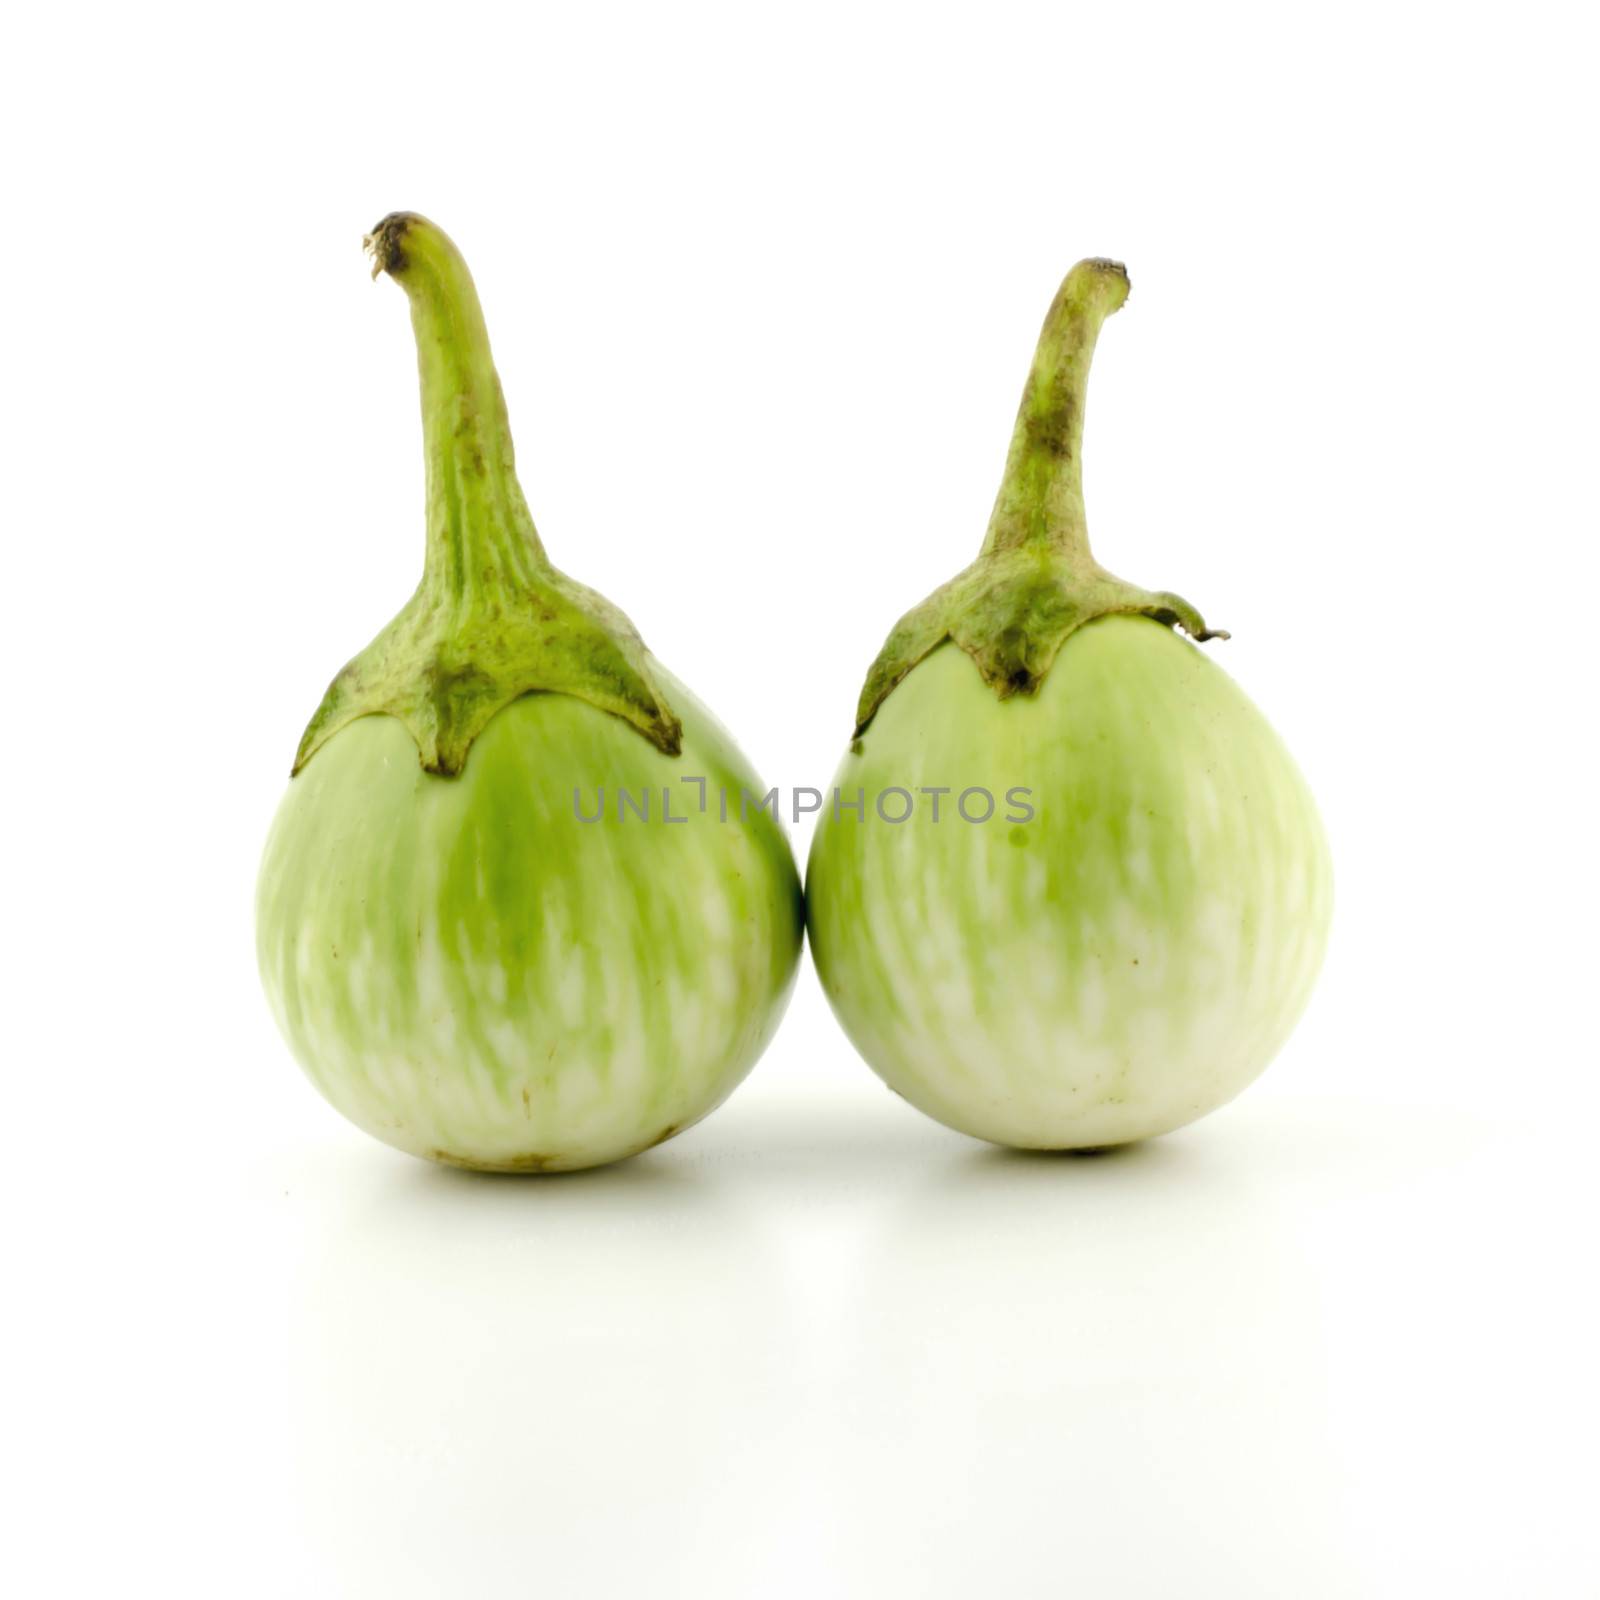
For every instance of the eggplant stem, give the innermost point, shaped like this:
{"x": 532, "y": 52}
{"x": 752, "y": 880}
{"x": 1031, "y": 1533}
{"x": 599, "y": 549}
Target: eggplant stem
{"x": 492, "y": 620}
{"x": 1035, "y": 581}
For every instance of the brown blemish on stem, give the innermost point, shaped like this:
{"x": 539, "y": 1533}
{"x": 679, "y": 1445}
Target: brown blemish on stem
{"x": 385, "y": 244}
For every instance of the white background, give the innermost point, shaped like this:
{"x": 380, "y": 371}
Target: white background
{"x": 763, "y": 286}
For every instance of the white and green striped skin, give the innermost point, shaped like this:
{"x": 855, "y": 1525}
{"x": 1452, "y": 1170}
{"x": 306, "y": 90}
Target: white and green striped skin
{"x": 473, "y": 975}
{"x": 1124, "y": 963}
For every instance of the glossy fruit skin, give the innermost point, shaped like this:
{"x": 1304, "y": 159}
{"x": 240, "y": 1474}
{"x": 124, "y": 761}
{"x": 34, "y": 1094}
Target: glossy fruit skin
{"x": 1122, "y": 964}
{"x": 472, "y": 974}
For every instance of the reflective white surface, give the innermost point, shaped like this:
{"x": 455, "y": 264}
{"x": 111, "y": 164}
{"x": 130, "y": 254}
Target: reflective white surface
{"x": 819, "y": 1345}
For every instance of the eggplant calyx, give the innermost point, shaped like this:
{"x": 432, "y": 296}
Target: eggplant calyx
{"x": 1012, "y": 613}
